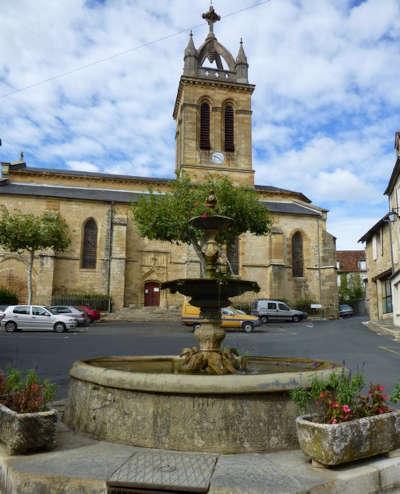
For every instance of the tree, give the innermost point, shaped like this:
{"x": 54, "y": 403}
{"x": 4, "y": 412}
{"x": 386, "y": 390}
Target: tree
{"x": 166, "y": 216}
{"x": 21, "y": 232}
{"x": 351, "y": 288}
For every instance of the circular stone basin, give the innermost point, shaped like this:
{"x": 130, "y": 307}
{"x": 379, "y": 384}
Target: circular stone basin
{"x": 146, "y": 401}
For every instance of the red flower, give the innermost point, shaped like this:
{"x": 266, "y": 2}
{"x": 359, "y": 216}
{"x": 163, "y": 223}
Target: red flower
{"x": 346, "y": 408}
{"x": 334, "y": 404}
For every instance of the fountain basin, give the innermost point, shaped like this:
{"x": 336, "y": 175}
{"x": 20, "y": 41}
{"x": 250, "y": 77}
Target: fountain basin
{"x": 210, "y": 292}
{"x": 147, "y": 402}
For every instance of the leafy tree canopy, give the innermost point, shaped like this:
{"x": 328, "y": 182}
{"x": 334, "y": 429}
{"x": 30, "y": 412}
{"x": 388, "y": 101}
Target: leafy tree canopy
{"x": 19, "y": 231}
{"x": 166, "y": 216}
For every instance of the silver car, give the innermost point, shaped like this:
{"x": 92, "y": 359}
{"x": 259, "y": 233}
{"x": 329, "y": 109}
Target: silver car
{"x": 21, "y": 317}
{"x": 69, "y": 310}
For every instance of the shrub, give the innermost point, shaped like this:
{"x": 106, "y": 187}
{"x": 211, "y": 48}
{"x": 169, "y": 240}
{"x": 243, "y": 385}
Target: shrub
{"x": 8, "y": 297}
{"x": 304, "y": 304}
{"x": 339, "y": 399}
{"x": 25, "y": 392}
{"x": 94, "y": 300}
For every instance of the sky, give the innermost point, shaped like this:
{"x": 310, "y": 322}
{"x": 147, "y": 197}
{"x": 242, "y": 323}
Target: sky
{"x": 327, "y": 91}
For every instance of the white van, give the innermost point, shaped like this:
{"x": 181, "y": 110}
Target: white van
{"x": 275, "y": 310}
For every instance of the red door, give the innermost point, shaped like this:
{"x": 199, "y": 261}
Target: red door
{"x": 151, "y": 293}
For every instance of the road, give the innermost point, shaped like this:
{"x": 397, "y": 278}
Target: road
{"x": 347, "y": 341}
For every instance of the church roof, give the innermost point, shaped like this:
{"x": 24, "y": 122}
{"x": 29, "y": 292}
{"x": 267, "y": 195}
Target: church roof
{"x": 121, "y": 196}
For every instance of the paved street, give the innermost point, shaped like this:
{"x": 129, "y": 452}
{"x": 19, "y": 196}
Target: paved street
{"x": 343, "y": 340}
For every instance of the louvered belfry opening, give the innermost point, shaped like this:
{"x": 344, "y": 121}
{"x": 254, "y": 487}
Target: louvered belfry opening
{"x": 297, "y": 255}
{"x": 89, "y": 245}
{"x": 229, "y": 129}
{"x": 205, "y": 126}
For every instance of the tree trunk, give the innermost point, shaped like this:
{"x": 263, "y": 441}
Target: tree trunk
{"x": 30, "y": 270}
{"x": 200, "y": 254}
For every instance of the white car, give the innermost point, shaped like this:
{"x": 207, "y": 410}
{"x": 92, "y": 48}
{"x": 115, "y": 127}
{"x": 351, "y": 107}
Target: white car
{"x": 21, "y": 317}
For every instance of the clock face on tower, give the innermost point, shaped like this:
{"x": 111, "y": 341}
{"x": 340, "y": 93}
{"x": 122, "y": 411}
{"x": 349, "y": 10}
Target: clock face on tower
{"x": 217, "y": 158}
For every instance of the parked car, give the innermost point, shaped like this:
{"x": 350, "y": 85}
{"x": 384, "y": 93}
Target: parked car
{"x": 345, "y": 310}
{"x": 93, "y": 314}
{"x": 230, "y": 318}
{"x": 21, "y": 317}
{"x": 81, "y": 317}
{"x": 275, "y": 310}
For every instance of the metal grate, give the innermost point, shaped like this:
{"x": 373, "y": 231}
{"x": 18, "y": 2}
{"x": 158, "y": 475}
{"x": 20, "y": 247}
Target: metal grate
{"x": 135, "y": 490}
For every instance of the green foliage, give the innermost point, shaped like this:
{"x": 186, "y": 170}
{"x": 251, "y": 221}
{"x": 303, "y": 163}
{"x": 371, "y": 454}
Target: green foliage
{"x": 339, "y": 399}
{"x": 25, "y": 392}
{"x": 20, "y": 231}
{"x": 304, "y": 304}
{"x": 8, "y": 297}
{"x": 93, "y": 300}
{"x": 395, "y": 396}
{"x": 351, "y": 288}
{"x": 166, "y": 216}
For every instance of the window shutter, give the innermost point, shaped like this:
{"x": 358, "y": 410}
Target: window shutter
{"x": 205, "y": 126}
{"x": 229, "y": 129}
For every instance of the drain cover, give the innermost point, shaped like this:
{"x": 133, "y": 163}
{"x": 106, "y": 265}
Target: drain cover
{"x": 154, "y": 472}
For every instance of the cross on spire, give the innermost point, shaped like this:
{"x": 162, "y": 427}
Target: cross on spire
{"x": 211, "y": 17}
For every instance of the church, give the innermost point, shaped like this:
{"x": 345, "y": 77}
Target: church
{"x": 213, "y": 114}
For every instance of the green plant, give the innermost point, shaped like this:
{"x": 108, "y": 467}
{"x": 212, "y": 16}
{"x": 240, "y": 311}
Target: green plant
{"x": 395, "y": 396}
{"x": 8, "y": 297}
{"x": 25, "y": 392}
{"x": 304, "y": 304}
{"x": 20, "y": 232}
{"x": 339, "y": 398}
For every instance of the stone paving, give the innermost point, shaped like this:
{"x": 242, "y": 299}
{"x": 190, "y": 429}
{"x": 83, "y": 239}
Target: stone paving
{"x": 384, "y": 327}
{"x": 80, "y": 465}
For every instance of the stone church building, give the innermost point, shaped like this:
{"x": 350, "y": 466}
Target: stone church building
{"x": 213, "y": 136}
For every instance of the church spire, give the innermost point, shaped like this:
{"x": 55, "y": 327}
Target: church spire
{"x": 241, "y": 65}
{"x": 190, "y": 57}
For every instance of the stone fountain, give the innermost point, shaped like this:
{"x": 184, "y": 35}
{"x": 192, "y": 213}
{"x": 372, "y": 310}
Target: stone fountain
{"x": 206, "y": 399}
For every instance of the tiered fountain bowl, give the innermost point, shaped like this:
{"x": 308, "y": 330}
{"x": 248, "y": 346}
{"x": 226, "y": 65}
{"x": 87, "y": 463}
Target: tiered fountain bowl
{"x": 208, "y": 398}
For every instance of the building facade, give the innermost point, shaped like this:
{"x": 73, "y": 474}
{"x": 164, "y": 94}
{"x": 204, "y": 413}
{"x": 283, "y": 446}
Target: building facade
{"x": 213, "y": 137}
{"x": 382, "y": 247}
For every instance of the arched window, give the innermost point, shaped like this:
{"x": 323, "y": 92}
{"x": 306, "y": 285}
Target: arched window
{"x": 89, "y": 245}
{"x": 232, "y": 253}
{"x": 229, "y": 128}
{"x": 205, "y": 126}
{"x": 297, "y": 255}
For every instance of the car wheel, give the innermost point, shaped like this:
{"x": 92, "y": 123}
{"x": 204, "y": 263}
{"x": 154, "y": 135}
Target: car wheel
{"x": 59, "y": 327}
{"x": 195, "y": 326}
{"x": 296, "y": 318}
{"x": 247, "y": 327}
{"x": 11, "y": 327}
{"x": 264, "y": 319}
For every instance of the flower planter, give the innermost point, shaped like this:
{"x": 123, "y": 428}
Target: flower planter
{"x": 334, "y": 444}
{"x": 27, "y": 432}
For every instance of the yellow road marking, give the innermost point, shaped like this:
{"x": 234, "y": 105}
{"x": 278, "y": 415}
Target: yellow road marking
{"x": 389, "y": 350}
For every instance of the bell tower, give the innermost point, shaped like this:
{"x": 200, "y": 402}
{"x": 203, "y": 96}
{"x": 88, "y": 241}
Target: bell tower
{"x": 213, "y": 111}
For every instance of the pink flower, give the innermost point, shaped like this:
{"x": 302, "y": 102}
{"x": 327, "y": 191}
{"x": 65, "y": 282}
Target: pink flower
{"x": 334, "y": 404}
{"x": 333, "y": 421}
{"x": 346, "y": 408}
{"x": 380, "y": 388}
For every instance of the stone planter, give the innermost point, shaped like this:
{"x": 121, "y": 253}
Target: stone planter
{"x": 27, "y": 432}
{"x": 334, "y": 444}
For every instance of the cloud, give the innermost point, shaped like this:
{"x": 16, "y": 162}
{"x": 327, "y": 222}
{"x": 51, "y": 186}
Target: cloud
{"x": 324, "y": 109}
{"x": 82, "y": 166}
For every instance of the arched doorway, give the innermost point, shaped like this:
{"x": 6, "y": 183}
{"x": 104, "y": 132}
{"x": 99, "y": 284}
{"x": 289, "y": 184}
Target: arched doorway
{"x": 151, "y": 293}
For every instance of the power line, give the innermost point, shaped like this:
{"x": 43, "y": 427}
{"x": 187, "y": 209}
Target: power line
{"x": 121, "y": 53}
